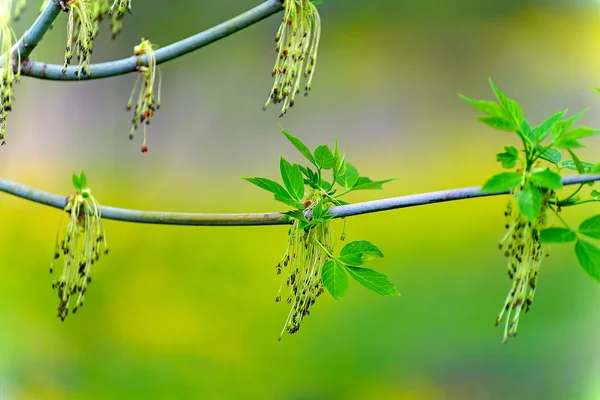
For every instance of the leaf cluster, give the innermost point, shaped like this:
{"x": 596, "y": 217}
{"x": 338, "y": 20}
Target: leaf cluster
{"x": 537, "y": 168}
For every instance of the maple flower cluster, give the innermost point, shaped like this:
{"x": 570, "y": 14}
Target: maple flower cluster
{"x": 525, "y": 253}
{"x": 83, "y": 242}
{"x": 297, "y": 44}
{"x": 147, "y": 103}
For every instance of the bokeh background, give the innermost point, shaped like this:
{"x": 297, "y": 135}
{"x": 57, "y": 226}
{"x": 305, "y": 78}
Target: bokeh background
{"x": 189, "y": 312}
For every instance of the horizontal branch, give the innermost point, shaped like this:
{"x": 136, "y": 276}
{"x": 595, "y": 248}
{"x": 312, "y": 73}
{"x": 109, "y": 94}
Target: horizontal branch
{"x": 270, "y": 218}
{"x": 113, "y": 68}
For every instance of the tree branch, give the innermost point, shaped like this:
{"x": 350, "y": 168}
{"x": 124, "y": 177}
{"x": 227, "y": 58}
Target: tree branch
{"x": 34, "y": 35}
{"x": 271, "y": 218}
{"x": 113, "y": 68}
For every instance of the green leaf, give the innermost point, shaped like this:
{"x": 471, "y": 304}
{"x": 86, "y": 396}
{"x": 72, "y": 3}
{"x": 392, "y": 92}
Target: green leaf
{"x": 296, "y": 214}
{"x": 578, "y": 164}
{"x": 561, "y": 127}
{"x": 292, "y": 179}
{"x": 551, "y": 155}
{"x": 335, "y": 279}
{"x": 502, "y": 182}
{"x": 82, "y": 179}
{"x": 364, "y": 183}
{"x": 298, "y": 145}
{"x": 547, "y": 179}
{"x": 498, "y": 122}
{"x": 588, "y": 256}
{"x": 570, "y": 164}
{"x": 340, "y": 164}
{"x": 580, "y": 132}
{"x": 486, "y": 107}
{"x": 566, "y": 143}
{"x": 349, "y": 178}
{"x": 557, "y": 235}
{"x": 373, "y": 280}
{"x": 530, "y": 202}
{"x": 595, "y": 194}
{"x": 358, "y": 252}
{"x": 324, "y": 157}
{"x": 509, "y": 158}
{"x": 545, "y": 128}
{"x": 280, "y": 193}
{"x": 591, "y": 227}
{"x": 595, "y": 169}
{"x": 526, "y": 131}
{"x": 512, "y": 108}
{"x": 76, "y": 182}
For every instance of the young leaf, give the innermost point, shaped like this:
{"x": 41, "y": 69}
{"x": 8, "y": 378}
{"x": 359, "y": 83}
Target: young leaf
{"x": 557, "y": 235}
{"x": 335, "y": 279}
{"x": 364, "y": 183}
{"x": 349, "y": 178}
{"x": 324, "y": 158}
{"x": 547, "y": 179}
{"x": 358, "y": 252}
{"x": 296, "y": 214}
{"x": 340, "y": 163}
{"x": 578, "y": 164}
{"x": 280, "y": 193}
{"x": 498, "y": 122}
{"x": 530, "y": 202}
{"x": 546, "y": 127}
{"x": 486, "y": 107}
{"x": 591, "y": 227}
{"x": 551, "y": 155}
{"x": 561, "y": 127}
{"x": 292, "y": 179}
{"x": 298, "y": 145}
{"x": 82, "y": 179}
{"x": 373, "y": 280}
{"x": 595, "y": 169}
{"x": 527, "y": 132}
{"x": 588, "y": 256}
{"x": 76, "y": 182}
{"x": 595, "y": 194}
{"x": 509, "y": 158}
{"x": 502, "y": 182}
{"x": 570, "y": 164}
{"x": 511, "y": 107}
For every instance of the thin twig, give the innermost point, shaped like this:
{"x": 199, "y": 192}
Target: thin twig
{"x": 34, "y": 35}
{"x": 113, "y": 68}
{"x": 270, "y": 218}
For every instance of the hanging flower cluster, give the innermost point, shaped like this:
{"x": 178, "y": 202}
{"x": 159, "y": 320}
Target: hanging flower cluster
{"x": 8, "y": 75}
{"x": 146, "y": 103}
{"x": 297, "y": 44}
{"x": 80, "y": 35}
{"x": 525, "y": 253}
{"x": 82, "y": 243}
{"x": 117, "y": 12}
{"x": 302, "y": 266}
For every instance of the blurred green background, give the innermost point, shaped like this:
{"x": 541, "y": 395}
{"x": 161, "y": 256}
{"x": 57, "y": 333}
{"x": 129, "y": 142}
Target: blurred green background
{"x": 189, "y": 312}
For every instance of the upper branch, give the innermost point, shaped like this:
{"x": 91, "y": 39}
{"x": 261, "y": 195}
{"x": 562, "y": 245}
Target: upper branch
{"x": 113, "y": 68}
{"x": 34, "y": 35}
{"x": 271, "y": 218}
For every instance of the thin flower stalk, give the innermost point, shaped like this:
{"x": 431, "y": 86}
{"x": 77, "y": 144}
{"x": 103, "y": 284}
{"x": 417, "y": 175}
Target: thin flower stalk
{"x": 80, "y": 36}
